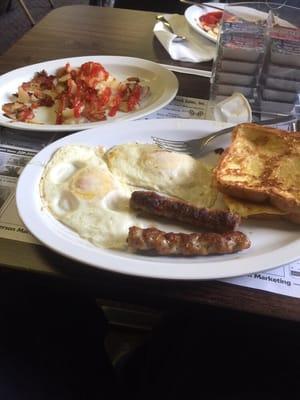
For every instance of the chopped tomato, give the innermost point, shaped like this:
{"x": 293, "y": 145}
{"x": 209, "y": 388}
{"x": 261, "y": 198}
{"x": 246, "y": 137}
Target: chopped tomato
{"x": 92, "y": 73}
{"x": 94, "y": 70}
{"x": 105, "y": 96}
{"x": 211, "y": 19}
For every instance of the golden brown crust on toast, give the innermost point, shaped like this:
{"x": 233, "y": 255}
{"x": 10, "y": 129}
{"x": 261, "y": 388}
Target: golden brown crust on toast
{"x": 262, "y": 164}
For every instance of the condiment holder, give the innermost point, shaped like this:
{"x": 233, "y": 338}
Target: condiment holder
{"x": 258, "y": 56}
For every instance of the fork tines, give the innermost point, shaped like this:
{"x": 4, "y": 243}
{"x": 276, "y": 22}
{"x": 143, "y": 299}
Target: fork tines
{"x": 170, "y": 145}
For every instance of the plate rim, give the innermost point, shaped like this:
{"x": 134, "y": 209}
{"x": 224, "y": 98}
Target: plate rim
{"x": 134, "y": 265}
{"x": 168, "y": 94}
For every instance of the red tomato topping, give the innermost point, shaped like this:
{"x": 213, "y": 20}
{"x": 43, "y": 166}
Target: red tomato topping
{"x": 105, "y": 96}
{"x": 92, "y": 73}
{"x": 212, "y": 18}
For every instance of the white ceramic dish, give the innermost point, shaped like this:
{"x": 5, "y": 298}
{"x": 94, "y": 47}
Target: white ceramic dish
{"x": 192, "y": 15}
{"x": 273, "y": 242}
{"x": 163, "y": 85}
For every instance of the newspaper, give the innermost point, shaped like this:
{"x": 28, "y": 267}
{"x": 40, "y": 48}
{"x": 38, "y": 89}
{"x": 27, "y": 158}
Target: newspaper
{"x": 17, "y": 148}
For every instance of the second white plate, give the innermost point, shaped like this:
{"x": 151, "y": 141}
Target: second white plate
{"x": 162, "y": 82}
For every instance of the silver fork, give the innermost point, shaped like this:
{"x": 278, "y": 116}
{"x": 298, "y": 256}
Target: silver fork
{"x": 195, "y": 147}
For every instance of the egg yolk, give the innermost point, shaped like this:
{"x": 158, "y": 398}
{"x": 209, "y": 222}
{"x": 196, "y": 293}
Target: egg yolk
{"x": 89, "y": 183}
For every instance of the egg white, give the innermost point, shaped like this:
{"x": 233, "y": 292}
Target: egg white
{"x": 176, "y": 174}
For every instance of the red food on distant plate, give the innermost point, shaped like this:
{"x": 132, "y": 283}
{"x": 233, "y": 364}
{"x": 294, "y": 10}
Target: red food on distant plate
{"x": 210, "y": 22}
{"x": 88, "y": 93}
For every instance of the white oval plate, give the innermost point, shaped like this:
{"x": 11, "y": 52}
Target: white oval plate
{"x": 273, "y": 242}
{"x": 163, "y": 86}
{"x": 192, "y": 15}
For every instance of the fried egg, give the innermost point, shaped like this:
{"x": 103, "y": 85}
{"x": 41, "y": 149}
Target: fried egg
{"x": 175, "y": 174}
{"x": 81, "y": 192}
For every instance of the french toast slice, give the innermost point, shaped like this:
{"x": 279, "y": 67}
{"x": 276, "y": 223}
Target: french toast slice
{"x": 262, "y": 165}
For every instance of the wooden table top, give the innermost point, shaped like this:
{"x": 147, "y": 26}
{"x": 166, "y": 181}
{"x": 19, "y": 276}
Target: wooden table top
{"x": 84, "y": 30}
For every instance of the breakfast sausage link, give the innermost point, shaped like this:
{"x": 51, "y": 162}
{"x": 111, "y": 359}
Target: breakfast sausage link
{"x": 178, "y": 210}
{"x": 187, "y": 244}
